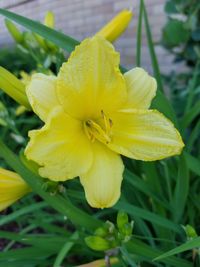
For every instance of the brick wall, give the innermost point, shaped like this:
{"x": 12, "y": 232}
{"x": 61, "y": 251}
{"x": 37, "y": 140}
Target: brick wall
{"x": 81, "y": 18}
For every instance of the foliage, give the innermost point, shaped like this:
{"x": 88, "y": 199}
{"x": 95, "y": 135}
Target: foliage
{"x": 50, "y": 225}
{"x": 181, "y": 34}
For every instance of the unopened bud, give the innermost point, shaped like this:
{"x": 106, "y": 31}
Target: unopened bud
{"x": 102, "y": 232}
{"x": 97, "y": 243}
{"x": 14, "y": 31}
{"x": 49, "y": 19}
{"x": 13, "y": 87}
{"x": 113, "y": 29}
{"x": 122, "y": 219}
{"x": 190, "y": 231}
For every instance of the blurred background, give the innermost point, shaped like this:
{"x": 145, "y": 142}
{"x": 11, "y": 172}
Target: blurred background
{"x": 82, "y": 18}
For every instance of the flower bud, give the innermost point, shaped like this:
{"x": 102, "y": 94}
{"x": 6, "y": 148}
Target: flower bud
{"x": 101, "y": 231}
{"x": 15, "y": 33}
{"x": 13, "y": 87}
{"x": 97, "y": 243}
{"x": 113, "y": 29}
{"x": 12, "y": 188}
{"x": 190, "y": 231}
{"x": 49, "y": 19}
{"x": 122, "y": 219}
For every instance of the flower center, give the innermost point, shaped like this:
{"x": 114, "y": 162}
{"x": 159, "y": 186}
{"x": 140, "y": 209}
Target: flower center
{"x": 94, "y": 130}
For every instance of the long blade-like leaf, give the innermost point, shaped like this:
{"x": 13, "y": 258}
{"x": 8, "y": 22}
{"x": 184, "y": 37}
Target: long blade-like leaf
{"x": 58, "y": 38}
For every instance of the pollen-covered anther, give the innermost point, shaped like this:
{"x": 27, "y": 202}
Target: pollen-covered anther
{"x": 94, "y": 131}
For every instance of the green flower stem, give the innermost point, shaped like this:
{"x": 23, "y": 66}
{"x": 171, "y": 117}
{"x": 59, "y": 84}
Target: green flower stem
{"x": 63, "y": 205}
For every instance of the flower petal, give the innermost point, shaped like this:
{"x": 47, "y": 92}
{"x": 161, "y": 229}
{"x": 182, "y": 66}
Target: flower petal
{"x": 102, "y": 182}
{"x": 41, "y": 93}
{"x": 141, "y": 88}
{"x": 60, "y": 147}
{"x": 91, "y": 80}
{"x": 12, "y": 188}
{"x": 144, "y": 135}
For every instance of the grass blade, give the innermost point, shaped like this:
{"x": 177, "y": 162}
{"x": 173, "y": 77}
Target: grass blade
{"x": 154, "y": 60}
{"x": 139, "y": 36}
{"x": 149, "y": 216}
{"x": 181, "y": 189}
{"x": 137, "y": 247}
{"x": 194, "y": 243}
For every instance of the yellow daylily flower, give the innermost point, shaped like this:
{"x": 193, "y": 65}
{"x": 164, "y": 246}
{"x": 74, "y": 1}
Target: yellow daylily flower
{"x": 12, "y": 188}
{"x": 114, "y": 28}
{"x": 92, "y": 114}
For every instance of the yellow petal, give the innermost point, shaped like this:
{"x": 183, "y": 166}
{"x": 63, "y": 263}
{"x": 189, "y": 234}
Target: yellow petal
{"x": 114, "y": 28}
{"x": 41, "y": 92}
{"x": 102, "y": 182}
{"x": 12, "y": 188}
{"x": 60, "y": 147}
{"x": 141, "y": 88}
{"x": 91, "y": 80}
{"x": 144, "y": 135}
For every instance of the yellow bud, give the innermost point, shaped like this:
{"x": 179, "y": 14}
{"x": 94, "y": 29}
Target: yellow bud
{"x": 99, "y": 263}
{"x": 12, "y": 188}
{"x": 14, "y": 31}
{"x": 41, "y": 41}
{"x": 113, "y": 29}
{"x": 13, "y": 87}
{"x": 20, "y": 110}
{"x": 49, "y": 19}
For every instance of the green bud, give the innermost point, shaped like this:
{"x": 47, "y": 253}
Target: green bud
{"x": 13, "y": 87}
{"x": 41, "y": 41}
{"x": 122, "y": 219}
{"x": 97, "y": 243}
{"x": 110, "y": 227}
{"x": 190, "y": 231}
{"x": 101, "y": 232}
{"x": 14, "y": 31}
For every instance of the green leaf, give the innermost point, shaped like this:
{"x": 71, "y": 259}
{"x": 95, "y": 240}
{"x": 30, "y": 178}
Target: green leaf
{"x": 181, "y": 189}
{"x": 194, "y": 243}
{"x": 190, "y": 115}
{"x": 170, "y": 7}
{"x": 58, "y": 38}
{"x": 139, "y": 36}
{"x": 13, "y": 216}
{"x": 65, "y": 249}
{"x": 193, "y": 163}
{"x": 142, "y": 186}
{"x": 175, "y": 33}
{"x": 148, "y": 253}
{"x": 154, "y": 60}
{"x": 147, "y": 215}
{"x": 161, "y": 103}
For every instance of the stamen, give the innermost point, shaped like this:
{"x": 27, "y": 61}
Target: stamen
{"x": 94, "y": 131}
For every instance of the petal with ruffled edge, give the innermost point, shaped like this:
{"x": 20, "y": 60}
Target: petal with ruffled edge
{"x": 102, "y": 182}
{"x": 61, "y": 147}
{"x": 141, "y": 89}
{"x": 41, "y": 93}
{"x": 91, "y": 80}
{"x": 144, "y": 135}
